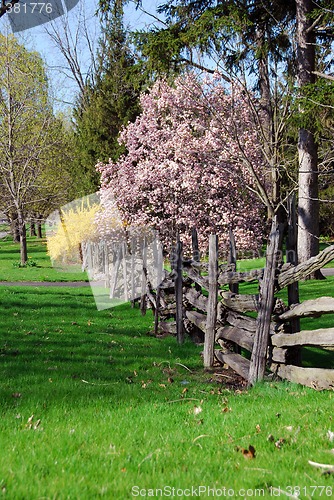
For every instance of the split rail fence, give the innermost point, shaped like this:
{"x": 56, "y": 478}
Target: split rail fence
{"x": 202, "y": 299}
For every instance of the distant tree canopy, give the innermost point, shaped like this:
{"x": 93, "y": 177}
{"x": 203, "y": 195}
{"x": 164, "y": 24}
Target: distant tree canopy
{"x": 284, "y": 50}
{"x": 109, "y": 101}
{"x": 192, "y": 159}
{"x": 31, "y": 139}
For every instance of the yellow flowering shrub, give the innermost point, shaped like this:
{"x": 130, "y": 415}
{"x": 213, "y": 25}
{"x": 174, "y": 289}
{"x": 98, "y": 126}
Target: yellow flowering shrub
{"x": 73, "y": 227}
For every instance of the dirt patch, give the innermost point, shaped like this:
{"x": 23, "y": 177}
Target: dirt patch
{"x": 227, "y": 378}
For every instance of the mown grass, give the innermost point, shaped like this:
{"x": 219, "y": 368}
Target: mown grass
{"x": 309, "y": 289}
{"x": 118, "y": 408}
{"x": 259, "y": 263}
{"x": 39, "y": 267}
{"x": 92, "y": 406}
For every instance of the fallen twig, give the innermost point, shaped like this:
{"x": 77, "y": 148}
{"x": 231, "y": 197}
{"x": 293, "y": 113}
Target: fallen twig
{"x": 150, "y": 455}
{"x": 183, "y": 399}
{"x": 200, "y": 437}
{"x": 93, "y": 383}
{"x": 184, "y": 366}
{"x": 322, "y": 466}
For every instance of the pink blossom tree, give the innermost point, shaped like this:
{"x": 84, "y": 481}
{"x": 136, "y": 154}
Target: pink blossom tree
{"x": 193, "y": 160}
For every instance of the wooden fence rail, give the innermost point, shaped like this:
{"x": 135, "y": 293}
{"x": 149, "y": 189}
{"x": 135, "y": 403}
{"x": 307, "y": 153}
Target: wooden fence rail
{"x": 193, "y": 298}
{"x": 220, "y": 317}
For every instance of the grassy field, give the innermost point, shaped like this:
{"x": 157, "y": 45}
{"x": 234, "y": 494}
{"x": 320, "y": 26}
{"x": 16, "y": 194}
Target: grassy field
{"x": 259, "y": 263}
{"x": 39, "y": 267}
{"x": 93, "y": 406}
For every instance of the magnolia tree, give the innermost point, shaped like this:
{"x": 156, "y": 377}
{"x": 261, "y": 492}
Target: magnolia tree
{"x": 192, "y": 160}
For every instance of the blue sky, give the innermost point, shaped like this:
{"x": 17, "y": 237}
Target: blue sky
{"x": 63, "y": 87}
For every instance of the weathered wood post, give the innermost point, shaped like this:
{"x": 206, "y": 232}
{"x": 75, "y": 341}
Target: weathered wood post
{"x": 232, "y": 259}
{"x": 125, "y": 271}
{"x": 115, "y": 269}
{"x": 293, "y": 288}
{"x": 177, "y": 263}
{"x": 210, "y": 330}
{"x": 234, "y": 287}
{"x": 159, "y": 267}
{"x": 143, "y": 303}
{"x": 106, "y": 264}
{"x": 133, "y": 271}
{"x": 259, "y": 353}
{"x": 196, "y": 252}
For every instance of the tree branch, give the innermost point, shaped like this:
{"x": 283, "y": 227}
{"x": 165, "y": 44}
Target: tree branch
{"x": 6, "y": 6}
{"x": 323, "y": 75}
{"x": 203, "y": 68}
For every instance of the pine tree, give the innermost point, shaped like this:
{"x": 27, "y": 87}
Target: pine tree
{"x": 259, "y": 35}
{"x": 109, "y": 102}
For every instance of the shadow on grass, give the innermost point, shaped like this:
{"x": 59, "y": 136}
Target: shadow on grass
{"x": 315, "y": 357}
{"x": 54, "y": 344}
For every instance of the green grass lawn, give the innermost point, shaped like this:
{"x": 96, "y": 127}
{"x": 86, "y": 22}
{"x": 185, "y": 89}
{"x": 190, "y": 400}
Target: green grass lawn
{"x": 92, "y": 406}
{"x": 309, "y": 289}
{"x": 259, "y": 263}
{"x": 39, "y": 267}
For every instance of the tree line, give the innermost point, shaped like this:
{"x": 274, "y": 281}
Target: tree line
{"x": 280, "y": 53}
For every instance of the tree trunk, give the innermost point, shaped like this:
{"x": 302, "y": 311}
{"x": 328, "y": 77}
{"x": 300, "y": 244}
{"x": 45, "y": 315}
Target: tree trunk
{"x": 23, "y": 245}
{"x": 267, "y": 115}
{"x": 23, "y": 239}
{"x": 14, "y": 229}
{"x": 308, "y": 202}
{"x": 39, "y": 226}
{"x": 32, "y": 228}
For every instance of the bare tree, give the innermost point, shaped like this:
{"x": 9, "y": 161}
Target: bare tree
{"x": 74, "y": 36}
{"x": 25, "y": 129}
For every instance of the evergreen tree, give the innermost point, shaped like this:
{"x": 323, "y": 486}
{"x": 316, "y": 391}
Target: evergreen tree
{"x": 260, "y": 36}
{"x": 109, "y": 101}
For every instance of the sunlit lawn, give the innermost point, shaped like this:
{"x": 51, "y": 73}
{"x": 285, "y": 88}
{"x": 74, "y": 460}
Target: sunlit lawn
{"x": 39, "y": 267}
{"x": 93, "y": 406}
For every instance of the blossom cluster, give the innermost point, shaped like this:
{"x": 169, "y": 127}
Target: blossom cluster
{"x": 187, "y": 164}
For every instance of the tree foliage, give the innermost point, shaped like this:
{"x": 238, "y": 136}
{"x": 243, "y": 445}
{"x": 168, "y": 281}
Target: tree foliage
{"x": 260, "y": 40}
{"x": 73, "y": 224}
{"x": 109, "y": 100}
{"x": 190, "y": 162}
{"x": 225, "y": 29}
{"x": 29, "y": 135}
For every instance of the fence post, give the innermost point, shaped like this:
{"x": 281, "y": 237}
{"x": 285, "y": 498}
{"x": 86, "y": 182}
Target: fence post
{"x": 266, "y": 300}
{"x": 143, "y": 298}
{"x": 133, "y": 270}
{"x": 233, "y": 287}
{"x": 196, "y": 253}
{"x": 293, "y": 289}
{"x": 125, "y": 272}
{"x": 106, "y": 264}
{"x": 210, "y": 331}
{"x": 291, "y": 255}
{"x": 232, "y": 259}
{"x": 179, "y": 290}
{"x": 159, "y": 263}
